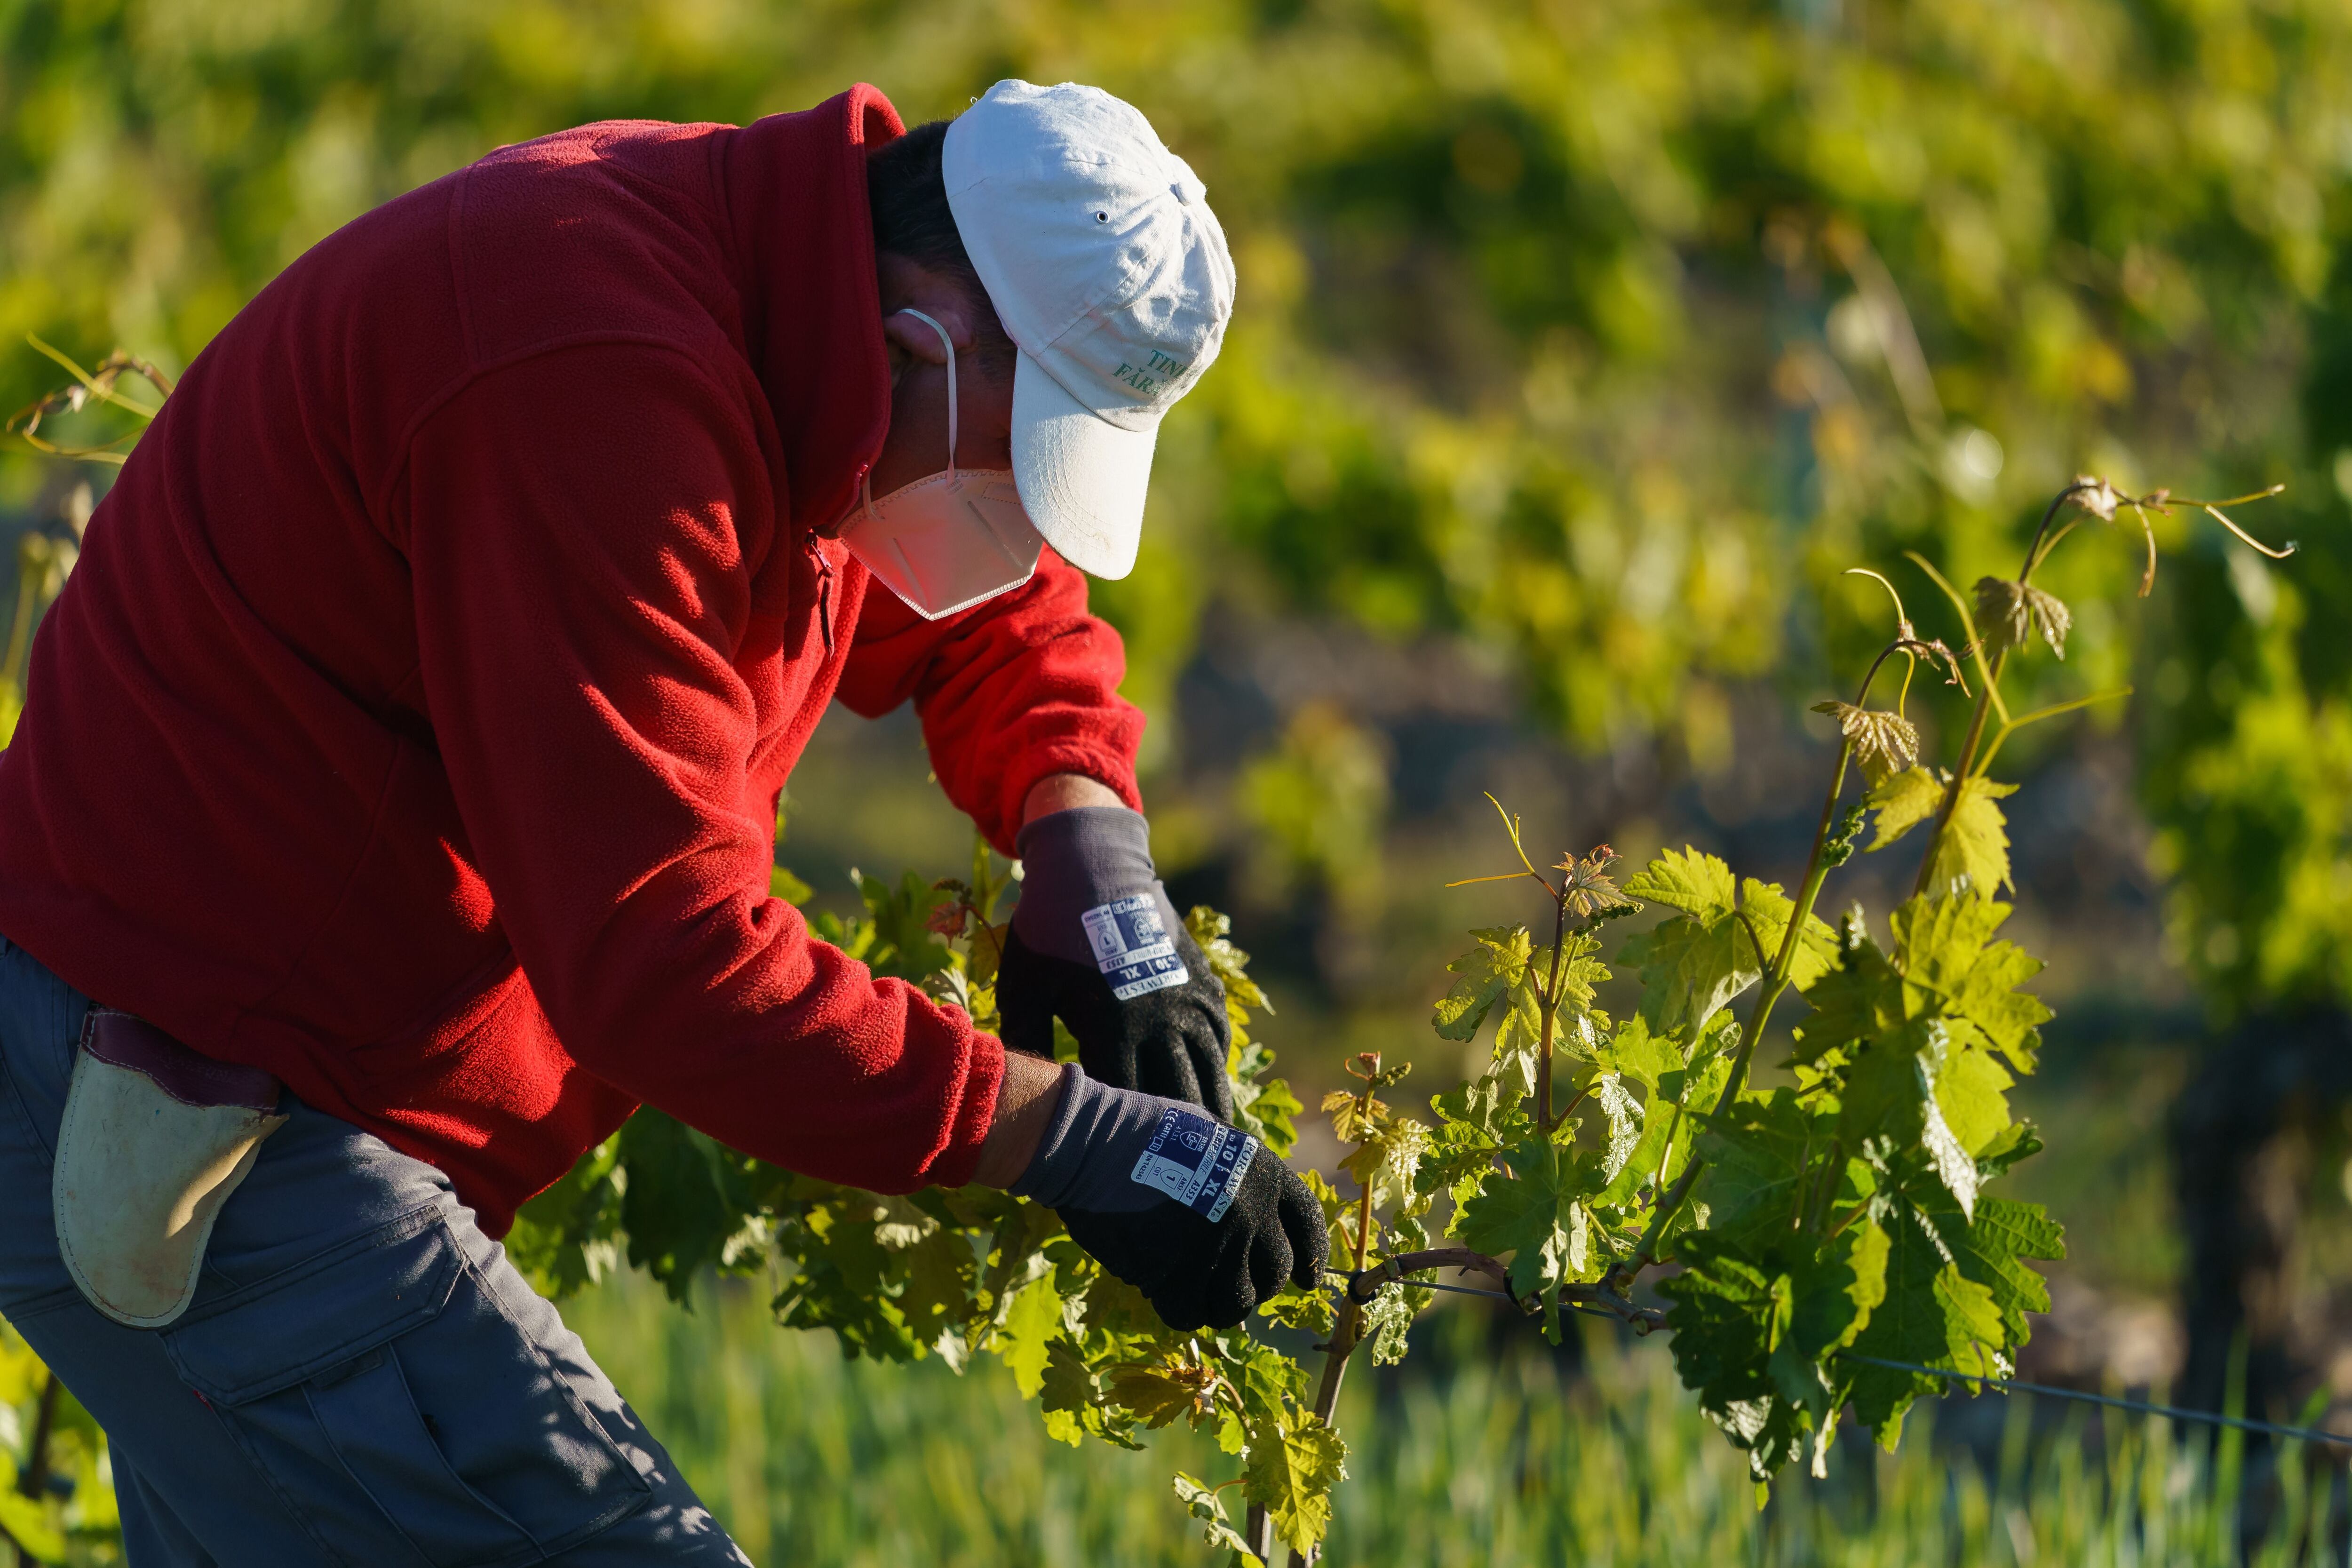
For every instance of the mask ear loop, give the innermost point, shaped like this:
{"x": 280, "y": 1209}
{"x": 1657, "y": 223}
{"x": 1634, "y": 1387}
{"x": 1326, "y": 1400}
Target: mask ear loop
{"x": 948, "y": 344}
{"x": 865, "y": 487}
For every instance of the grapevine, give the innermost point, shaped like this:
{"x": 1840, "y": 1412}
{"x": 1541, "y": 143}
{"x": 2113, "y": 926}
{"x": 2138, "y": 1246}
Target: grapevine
{"x": 1817, "y": 1228}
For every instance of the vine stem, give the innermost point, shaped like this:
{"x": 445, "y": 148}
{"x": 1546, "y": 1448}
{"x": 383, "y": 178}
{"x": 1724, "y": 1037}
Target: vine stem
{"x": 1549, "y": 998}
{"x": 1347, "y": 1330}
{"x": 35, "y": 1474}
{"x": 1968, "y": 744}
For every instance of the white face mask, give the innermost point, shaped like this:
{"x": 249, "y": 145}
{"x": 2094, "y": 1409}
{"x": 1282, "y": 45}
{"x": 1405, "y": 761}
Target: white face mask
{"x": 949, "y": 541}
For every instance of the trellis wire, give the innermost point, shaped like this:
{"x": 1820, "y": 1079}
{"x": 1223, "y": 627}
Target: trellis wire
{"x": 2170, "y": 1412}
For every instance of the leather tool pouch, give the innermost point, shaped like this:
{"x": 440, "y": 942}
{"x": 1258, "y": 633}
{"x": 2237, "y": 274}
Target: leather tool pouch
{"x": 155, "y": 1138}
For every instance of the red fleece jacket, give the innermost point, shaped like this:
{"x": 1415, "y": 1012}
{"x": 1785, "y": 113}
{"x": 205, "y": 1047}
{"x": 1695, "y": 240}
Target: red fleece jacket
{"x": 414, "y": 722}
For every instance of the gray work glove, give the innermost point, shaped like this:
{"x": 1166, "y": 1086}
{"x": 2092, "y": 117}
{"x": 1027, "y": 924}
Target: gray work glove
{"x": 1096, "y": 942}
{"x": 1194, "y": 1213}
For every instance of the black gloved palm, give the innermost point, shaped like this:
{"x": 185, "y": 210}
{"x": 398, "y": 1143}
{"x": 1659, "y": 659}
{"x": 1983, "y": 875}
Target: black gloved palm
{"x": 1170, "y": 1042}
{"x": 1197, "y": 1274}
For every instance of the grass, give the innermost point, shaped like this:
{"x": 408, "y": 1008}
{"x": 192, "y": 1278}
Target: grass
{"x": 1498, "y": 1460}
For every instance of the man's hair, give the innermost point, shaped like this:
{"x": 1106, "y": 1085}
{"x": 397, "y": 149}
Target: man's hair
{"x": 907, "y": 194}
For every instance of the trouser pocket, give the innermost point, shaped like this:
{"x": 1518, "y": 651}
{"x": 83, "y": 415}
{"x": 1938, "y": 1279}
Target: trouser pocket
{"x": 400, "y": 1412}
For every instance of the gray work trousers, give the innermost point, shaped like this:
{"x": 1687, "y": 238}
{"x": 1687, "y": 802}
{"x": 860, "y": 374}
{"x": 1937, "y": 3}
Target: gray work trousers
{"x": 363, "y": 1380}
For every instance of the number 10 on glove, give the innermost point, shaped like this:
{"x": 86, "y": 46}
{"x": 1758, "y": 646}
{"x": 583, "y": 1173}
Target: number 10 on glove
{"x": 1197, "y": 1161}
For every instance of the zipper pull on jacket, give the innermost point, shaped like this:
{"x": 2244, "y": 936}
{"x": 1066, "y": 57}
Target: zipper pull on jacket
{"x": 824, "y": 588}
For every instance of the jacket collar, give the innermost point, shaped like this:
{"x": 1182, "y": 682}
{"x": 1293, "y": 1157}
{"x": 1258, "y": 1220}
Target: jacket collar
{"x": 795, "y": 190}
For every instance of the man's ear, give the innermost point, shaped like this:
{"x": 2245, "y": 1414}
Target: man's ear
{"x": 913, "y": 337}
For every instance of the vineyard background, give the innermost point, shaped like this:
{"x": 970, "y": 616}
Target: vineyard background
{"x": 1576, "y": 348}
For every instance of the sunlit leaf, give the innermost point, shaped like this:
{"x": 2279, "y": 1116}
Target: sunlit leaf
{"x": 1973, "y": 849}
{"x": 1032, "y": 1324}
{"x": 1483, "y": 976}
{"x": 1294, "y": 1459}
{"x": 1693, "y": 965}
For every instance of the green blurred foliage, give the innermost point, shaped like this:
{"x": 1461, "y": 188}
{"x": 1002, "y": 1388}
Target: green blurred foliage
{"x": 1587, "y": 334}
{"x": 56, "y": 1489}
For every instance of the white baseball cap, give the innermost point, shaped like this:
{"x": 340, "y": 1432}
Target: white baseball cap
{"x": 1099, "y": 252}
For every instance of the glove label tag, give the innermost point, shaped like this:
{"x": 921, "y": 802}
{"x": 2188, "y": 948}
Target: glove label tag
{"x": 1132, "y": 946}
{"x": 1197, "y": 1161}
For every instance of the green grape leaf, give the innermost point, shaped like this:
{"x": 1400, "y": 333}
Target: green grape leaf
{"x": 1268, "y": 1380}
{"x": 1690, "y": 970}
{"x": 1580, "y": 973}
{"x": 1752, "y": 1333}
{"x": 1459, "y": 1158}
{"x": 1482, "y": 976}
{"x": 938, "y": 1271}
{"x": 1209, "y": 930}
{"x": 1952, "y": 965}
{"x": 1262, "y": 1107}
{"x": 1933, "y": 1314}
{"x": 1972, "y": 1093}
{"x": 1839, "y": 1291}
{"x": 899, "y": 1224}
{"x": 1018, "y": 1231}
{"x": 1112, "y": 1309}
{"x": 1071, "y": 1396}
{"x": 1489, "y": 1104}
{"x": 1728, "y": 1315}
{"x": 1891, "y": 1101}
{"x": 2004, "y": 1233}
{"x": 1201, "y": 1501}
{"x": 1159, "y": 1391}
{"x": 683, "y": 1201}
{"x": 1693, "y": 964}
{"x": 1856, "y": 1001}
{"x": 1667, "y": 1130}
{"x": 1354, "y": 1117}
{"x": 1756, "y": 1152}
{"x": 782, "y": 884}
{"x": 565, "y": 1239}
{"x": 1388, "y": 1158}
{"x": 1032, "y": 1323}
{"x": 1335, "y": 1207}
{"x": 1684, "y": 879}
{"x": 1294, "y": 1459}
{"x": 1642, "y": 1056}
{"x": 1624, "y": 1115}
{"x": 1308, "y": 1310}
{"x": 1536, "y": 1214}
{"x": 905, "y": 943}
{"x": 1389, "y": 1317}
{"x": 2018, "y": 1141}
{"x": 1972, "y": 852}
{"x": 1903, "y": 801}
